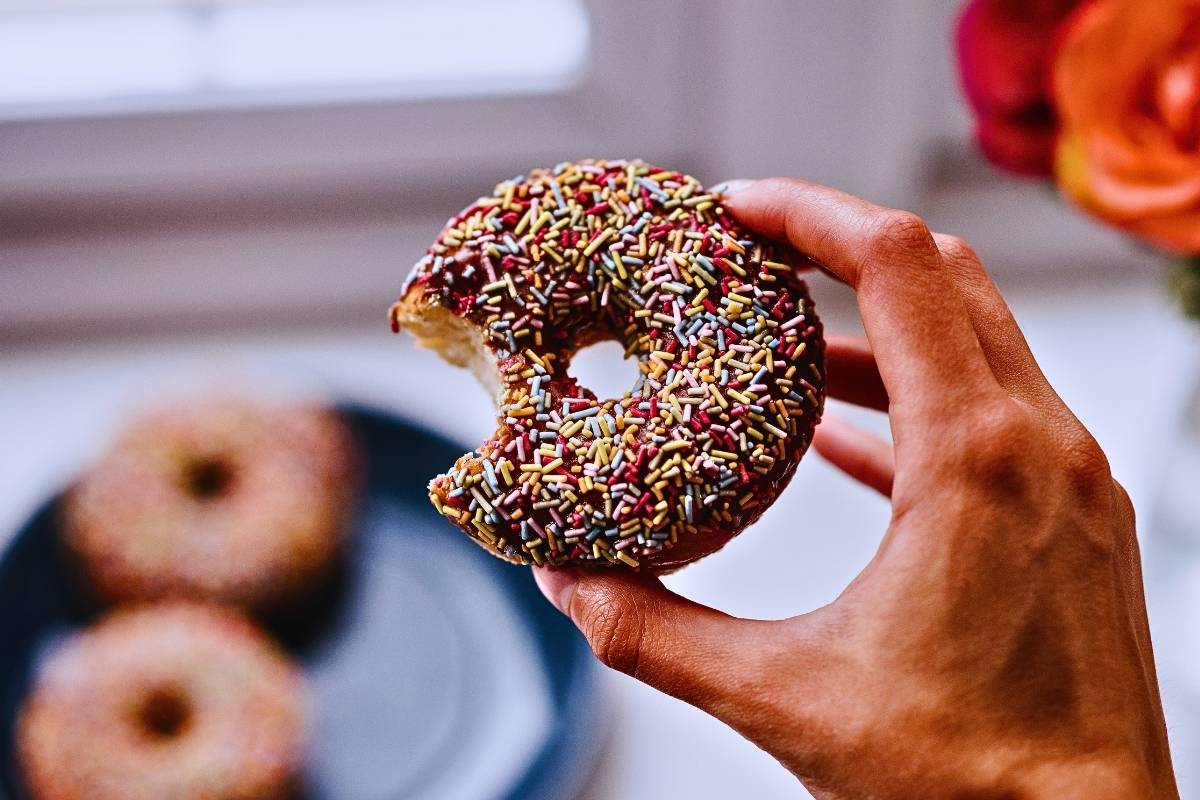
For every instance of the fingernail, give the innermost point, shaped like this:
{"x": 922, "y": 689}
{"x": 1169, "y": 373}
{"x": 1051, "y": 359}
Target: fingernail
{"x": 727, "y": 188}
{"x": 557, "y": 584}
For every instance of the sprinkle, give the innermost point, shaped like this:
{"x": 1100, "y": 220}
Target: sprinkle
{"x": 791, "y": 323}
{"x": 595, "y": 243}
{"x": 776, "y": 432}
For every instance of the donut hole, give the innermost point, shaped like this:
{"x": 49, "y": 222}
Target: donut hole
{"x": 207, "y": 478}
{"x": 164, "y": 713}
{"x": 603, "y": 368}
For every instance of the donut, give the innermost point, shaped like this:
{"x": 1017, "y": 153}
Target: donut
{"x": 221, "y": 499}
{"x": 728, "y": 347}
{"x": 179, "y": 700}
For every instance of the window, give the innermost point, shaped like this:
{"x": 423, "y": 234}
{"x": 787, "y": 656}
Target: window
{"x": 86, "y": 58}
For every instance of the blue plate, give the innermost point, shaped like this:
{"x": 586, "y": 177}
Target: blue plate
{"x": 438, "y": 670}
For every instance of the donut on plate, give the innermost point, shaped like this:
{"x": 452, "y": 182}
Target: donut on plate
{"x": 179, "y": 701}
{"x": 228, "y": 500}
{"x": 728, "y": 346}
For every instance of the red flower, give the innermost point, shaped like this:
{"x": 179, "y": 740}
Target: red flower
{"x": 1004, "y": 55}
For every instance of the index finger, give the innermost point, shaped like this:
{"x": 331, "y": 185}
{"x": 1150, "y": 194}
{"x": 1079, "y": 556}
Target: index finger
{"x": 923, "y": 341}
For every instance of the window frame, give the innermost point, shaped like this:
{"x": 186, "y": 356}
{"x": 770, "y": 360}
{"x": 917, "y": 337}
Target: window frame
{"x": 189, "y": 149}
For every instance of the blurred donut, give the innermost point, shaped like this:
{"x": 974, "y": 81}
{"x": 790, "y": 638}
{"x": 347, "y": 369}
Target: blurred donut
{"x": 178, "y": 701}
{"x": 728, "y": 346}
{"x": 226, "y": 500}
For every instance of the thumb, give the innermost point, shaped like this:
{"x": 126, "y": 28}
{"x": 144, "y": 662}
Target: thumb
{"x": 635, "y": 625}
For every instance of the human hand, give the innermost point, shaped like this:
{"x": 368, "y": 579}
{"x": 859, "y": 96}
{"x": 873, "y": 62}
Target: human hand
{"x": 996, "y": 646}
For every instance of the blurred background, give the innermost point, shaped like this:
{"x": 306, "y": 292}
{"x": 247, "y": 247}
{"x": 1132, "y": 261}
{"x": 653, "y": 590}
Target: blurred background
{"x": 192, "y": 187}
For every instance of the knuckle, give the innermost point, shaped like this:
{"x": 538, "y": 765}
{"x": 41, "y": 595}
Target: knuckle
{"x": 1000, "y": 452}
{"x": 1084, "y": 463}
{"x": 1124, "y": 502}
{"x": 1121, "y": 522}
{"x": 955, "y": 249}
{"x": 614, "y": 630}
{"x": 1125, "y": 530}
{"x": 899, "y": 233}
{"x": 1000, "y": 427}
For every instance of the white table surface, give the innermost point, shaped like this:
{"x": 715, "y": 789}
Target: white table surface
{"x": 60, "y": 402}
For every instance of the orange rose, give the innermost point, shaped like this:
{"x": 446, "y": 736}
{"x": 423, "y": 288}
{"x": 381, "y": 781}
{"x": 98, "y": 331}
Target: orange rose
{"x": 1127, "y": 87}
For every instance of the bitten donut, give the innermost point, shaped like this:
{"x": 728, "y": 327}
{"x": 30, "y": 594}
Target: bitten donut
{"x": 728, "y": 346}
{"x": 227, "y": 500}
{"x": 179, "y": 701}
